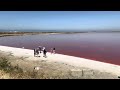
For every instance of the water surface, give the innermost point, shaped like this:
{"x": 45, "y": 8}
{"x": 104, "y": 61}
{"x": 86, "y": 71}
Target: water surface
{"x": 103, "y": 47}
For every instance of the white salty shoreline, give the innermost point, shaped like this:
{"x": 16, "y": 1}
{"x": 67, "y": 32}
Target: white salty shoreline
{"x": 71, "y": 60}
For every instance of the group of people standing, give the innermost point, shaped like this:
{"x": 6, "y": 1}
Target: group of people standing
{"x": 39, "y": 50}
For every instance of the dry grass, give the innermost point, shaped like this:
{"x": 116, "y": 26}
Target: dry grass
{"x": 4, "y": 75}
{"x": 12, "y": 67}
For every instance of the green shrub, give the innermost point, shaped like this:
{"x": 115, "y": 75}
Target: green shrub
{"x": 15, "y": 71}
{"x": 6, "y": 66}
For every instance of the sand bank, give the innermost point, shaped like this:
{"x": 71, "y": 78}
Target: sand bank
{"x": 71, "y": 60}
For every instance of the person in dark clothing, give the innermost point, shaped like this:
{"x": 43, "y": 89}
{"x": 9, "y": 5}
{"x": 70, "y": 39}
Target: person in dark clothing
{"x": 54, "y": 50}
{"x": 34, "y": 52}
{"x": 44, "y": 53}
{"x": 37, "y": 51}
{"x": 40, "y": 49}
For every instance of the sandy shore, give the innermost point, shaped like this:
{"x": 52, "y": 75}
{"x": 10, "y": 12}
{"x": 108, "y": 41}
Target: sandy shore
{"x": 59, "y": 58}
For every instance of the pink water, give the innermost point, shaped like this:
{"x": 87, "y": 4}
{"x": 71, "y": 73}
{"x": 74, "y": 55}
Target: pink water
{"x": 103, "y": 47}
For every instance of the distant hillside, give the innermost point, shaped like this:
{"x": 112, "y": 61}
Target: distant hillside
{"x": 57, "y": 31}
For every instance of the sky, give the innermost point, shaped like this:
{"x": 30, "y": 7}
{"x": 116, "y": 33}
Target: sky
{"x": 60, "y": 20}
